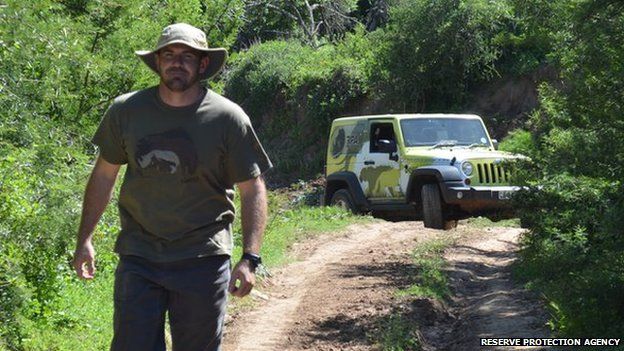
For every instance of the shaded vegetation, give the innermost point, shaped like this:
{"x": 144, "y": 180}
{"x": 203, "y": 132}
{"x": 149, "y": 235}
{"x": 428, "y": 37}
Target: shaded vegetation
{"x": 574, "y": 252}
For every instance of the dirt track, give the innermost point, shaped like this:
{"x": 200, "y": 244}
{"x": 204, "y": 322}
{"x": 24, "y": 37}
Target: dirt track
{"x": 343, "y": 287}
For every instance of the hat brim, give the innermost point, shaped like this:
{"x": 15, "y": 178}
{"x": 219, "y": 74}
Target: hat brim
{"x": 216, "y": 59}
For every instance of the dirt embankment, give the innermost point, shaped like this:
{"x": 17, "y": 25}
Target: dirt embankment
{"x": 342, "y": 290}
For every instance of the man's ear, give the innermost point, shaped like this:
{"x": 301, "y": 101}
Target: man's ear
{"x": 203, "y": 64}
{"x": 157, "y": 60}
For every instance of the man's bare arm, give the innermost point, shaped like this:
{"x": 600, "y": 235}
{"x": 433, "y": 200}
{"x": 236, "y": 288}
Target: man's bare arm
{"x": 97, "y": 195}
{"x": 253, "y": 213}
{"x": 253, "y": 218}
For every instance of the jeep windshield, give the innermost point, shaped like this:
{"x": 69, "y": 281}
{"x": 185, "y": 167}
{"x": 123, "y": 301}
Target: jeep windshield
{"x": 444, "y": 132}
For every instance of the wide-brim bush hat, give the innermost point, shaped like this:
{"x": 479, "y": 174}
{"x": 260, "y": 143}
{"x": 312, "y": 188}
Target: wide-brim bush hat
{"x": 182, "y": 33}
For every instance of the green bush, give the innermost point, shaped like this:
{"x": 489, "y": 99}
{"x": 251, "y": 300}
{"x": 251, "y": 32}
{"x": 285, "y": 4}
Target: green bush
{"x": 519, "y": 141}
{"x": 292, "y": 93}
{"x": 39, "y": 210}
{"x": 573, "y": 253}
{"x": 433, "y": 51}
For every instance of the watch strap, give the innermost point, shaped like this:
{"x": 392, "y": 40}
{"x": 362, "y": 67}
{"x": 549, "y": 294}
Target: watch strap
{"x": 255, "y": 260}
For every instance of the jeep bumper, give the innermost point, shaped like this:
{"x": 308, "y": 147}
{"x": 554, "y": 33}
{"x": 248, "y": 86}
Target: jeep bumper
{"x": 478, "y": 199}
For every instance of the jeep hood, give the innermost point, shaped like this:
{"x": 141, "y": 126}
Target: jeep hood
{"x": 459, "y": 153}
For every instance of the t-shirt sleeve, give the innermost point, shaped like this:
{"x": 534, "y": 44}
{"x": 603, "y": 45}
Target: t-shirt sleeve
{"x": 245, "y": 158}
{"x": 109, "y": 139}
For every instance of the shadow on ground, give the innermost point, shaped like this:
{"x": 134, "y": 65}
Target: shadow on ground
{"x": 367, "y": 320}
{"x": 484, "y": 302}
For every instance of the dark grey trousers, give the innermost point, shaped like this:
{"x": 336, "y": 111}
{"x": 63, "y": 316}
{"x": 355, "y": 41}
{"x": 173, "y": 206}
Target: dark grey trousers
{"x": 194, "y": 292}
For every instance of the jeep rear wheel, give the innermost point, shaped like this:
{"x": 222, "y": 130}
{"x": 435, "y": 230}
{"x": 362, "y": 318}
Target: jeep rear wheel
{"x": 433, "y": 208}
{"x": 342, "y": 198}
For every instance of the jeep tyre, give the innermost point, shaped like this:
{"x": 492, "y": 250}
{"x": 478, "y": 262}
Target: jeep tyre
{"x": 342, "y": 198}
{"x": 433, "y": 208}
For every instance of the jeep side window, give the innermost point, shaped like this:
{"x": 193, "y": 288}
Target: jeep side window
{"x": 380, "y": 131}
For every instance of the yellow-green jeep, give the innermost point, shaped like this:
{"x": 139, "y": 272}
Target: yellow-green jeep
{"x": 443, "y": 167}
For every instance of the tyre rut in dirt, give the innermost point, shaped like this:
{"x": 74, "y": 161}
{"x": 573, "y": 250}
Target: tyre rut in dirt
{"x": 342, "y": 198}
{"x": 433, "y": 208}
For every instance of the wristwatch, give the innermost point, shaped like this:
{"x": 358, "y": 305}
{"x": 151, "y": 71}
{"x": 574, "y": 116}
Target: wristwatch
{"x": 254, "y": 259}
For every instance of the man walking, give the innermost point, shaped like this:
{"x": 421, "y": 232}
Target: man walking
{"x": 185, "y": 148}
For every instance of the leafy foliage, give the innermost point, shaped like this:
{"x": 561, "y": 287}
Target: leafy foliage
{"x": 61, "y": 63}
{"x": 574, "y": 250}
{"x": 433, "y": 51}
{"x": 397, "y": 334}
{"x": 519, "y": 141}
{"x": 292, "y": 92}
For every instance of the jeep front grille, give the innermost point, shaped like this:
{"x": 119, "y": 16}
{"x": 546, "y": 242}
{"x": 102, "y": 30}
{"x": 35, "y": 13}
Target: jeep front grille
{"x": 490, "y": 173}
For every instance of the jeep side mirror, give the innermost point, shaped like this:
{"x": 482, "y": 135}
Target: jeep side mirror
{"x": 386, "y": 145}
{"x": 495, "y": 143}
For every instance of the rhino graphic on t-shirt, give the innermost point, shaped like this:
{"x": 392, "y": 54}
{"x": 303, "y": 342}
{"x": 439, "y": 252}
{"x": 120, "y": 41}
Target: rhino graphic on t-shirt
{"x": 168, "y": 158}
{"x": 170, "y": 152}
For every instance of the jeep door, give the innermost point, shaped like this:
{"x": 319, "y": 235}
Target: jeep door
{"x": 380, "y": 173}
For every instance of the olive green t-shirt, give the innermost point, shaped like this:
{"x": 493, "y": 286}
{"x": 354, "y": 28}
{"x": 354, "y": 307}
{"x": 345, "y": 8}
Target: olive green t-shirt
{"x": 176, "y": 200}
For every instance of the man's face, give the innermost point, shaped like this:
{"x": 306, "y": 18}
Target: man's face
{"x": 180, "y": 66}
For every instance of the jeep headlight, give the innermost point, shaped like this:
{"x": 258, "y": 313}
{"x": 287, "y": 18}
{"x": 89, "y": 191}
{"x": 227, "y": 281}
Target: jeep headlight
{"x": 467, "y": 168}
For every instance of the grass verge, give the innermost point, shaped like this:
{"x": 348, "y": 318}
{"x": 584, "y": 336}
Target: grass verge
{"x": 430, "y": 278}
{"x": 397, "y": 334}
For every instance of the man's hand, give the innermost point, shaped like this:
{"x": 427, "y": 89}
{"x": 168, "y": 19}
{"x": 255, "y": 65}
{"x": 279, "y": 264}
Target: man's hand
{"x": 97, "y": 195}
{"x": 84, "y": 261}
{"x": 246, "y": 278}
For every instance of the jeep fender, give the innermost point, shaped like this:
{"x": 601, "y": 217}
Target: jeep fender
{"x": 349, "y": 181}
{"x": 441, "y": 175}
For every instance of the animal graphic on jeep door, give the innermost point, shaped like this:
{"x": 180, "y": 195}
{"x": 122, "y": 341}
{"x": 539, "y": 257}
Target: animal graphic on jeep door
{"x": 170, "y": 152}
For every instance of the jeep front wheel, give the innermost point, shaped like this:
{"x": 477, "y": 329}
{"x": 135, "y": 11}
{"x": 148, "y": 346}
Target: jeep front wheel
{"x": 433, "y": 208}
{"x": 342, "y": 198}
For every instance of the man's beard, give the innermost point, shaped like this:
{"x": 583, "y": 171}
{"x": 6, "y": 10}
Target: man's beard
{"x": 180, "y": 83}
